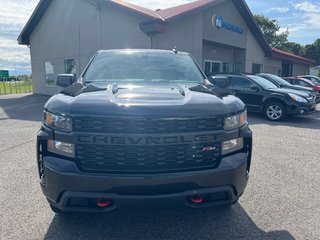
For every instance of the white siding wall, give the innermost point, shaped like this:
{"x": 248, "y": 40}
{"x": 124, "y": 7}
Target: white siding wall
{"x": 273, "y": 66}
{"x": 300, "y": 69}
{"x": 254, "y": 53}
{"x": 76, "y": 29}
{"x": 186, "y": 35}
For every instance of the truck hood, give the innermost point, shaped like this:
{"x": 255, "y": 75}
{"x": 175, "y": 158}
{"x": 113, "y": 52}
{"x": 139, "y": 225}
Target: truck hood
{"x": 174, "y": 100}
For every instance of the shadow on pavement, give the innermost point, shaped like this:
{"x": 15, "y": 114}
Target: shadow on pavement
{"x": 233, "y": 223}
{"x": 311, "y": 121}
{"x": 27, "y": 107}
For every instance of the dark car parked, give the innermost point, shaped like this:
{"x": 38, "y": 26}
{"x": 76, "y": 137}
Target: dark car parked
{"x": 280, "y": 82}
{"x": 312, "y": 78}
{"x": 303, "y": 82}
{"x": 263, "y": 96}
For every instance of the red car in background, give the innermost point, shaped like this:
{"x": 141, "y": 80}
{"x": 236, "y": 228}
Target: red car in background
{"x": 312, "y": 78}
{"x": 303, "y": 82}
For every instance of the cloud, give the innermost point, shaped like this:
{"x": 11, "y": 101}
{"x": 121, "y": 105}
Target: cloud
{"x": 279, "y": 9}
{"x": 296, "y": 27}
{"x": 307, "y": 7}
{"x": 307, "y": 22}
{"x": 12, "y": 56}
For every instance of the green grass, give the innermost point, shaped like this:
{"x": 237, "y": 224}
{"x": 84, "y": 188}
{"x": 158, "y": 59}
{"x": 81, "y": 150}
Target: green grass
{"x": 24, "y": 86}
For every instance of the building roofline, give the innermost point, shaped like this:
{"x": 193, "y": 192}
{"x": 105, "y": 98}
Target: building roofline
{"x": 173, "y": 13}
{"x": 36, "y": 16}
{"x": 165, "y": 15}
{"x": 245, "y": 12}
{"x": 283, "y": 55}
{"x": 135, "y": 8}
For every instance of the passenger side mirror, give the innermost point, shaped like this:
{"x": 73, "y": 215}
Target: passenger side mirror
{"x": 65, "y": 80}
{"x": 255, "y": 88}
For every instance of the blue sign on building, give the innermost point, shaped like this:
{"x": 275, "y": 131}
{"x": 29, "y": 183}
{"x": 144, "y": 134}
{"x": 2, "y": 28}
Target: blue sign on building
{"x": 220, "y": 24}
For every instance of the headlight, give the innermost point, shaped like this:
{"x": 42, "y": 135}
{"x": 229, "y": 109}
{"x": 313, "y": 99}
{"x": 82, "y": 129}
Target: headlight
{"x": 235, "y": 121}
{"x": 61, "y": 148}
{"x": 57, "y": 122}
{"x": 297, "y": 98}
{"x": 232, "y": 145}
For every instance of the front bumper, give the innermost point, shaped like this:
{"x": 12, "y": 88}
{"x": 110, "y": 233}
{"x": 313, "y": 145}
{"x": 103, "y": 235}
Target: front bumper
{"x": 68, "y": 189}
{"x": 302, "y": 109}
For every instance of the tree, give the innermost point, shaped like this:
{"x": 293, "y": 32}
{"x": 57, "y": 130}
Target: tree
{"x": 270, "y": 29}
{"x": 294, "y": 48}
{"x": 312, "y": 51}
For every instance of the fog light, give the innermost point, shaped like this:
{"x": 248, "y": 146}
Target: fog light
{"x": 232, "y": 145}
{"x": 61, "y": 148}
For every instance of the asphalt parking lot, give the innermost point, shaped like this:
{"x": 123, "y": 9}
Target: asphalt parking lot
{"x": 280, "y": 202}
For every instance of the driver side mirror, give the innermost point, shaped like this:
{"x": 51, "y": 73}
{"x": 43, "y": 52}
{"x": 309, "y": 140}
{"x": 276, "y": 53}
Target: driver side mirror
{"x": 65, "y": 80}
{"x": 255, "y": 88}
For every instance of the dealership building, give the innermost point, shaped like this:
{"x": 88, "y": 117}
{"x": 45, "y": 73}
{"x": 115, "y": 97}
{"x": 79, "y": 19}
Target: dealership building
{"x": 221, "y": 35}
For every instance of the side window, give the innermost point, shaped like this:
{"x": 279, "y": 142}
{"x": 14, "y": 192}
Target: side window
{"x": 240, "y": 83}
{"x": 70, "y": 66}
{"x": 49, "y": 73}
{"x": 302, "y": 83}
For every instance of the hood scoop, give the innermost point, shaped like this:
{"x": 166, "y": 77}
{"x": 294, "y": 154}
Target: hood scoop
{"x": 150, "y": 94}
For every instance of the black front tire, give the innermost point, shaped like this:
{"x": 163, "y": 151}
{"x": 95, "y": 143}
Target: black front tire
{"x": 275, "y": 111}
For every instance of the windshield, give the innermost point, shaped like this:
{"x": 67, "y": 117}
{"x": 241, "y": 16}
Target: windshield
{"x": 316, "y": 81}
{"x": 310, "y": 82}
{"x": 264, "y": 83}
{"x": 279, "y": 80}
{"x": 142, "y": 67}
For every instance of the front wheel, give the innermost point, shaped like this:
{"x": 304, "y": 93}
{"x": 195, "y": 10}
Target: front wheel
{"x": 275, "y": 111}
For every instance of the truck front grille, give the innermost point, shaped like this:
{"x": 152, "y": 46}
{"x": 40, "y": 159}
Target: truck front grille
{"x": 142, "y": 158}
{"x": 146, "y": 126}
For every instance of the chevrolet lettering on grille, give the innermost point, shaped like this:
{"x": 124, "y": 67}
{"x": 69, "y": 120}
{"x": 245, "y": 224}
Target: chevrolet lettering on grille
{"x": 144, "y": 140}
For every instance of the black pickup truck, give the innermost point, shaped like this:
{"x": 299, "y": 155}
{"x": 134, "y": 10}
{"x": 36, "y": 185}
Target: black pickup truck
{"x": 142, "y": 128}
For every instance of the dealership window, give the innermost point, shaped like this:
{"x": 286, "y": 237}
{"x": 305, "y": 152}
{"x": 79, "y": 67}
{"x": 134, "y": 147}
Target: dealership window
{"x": 49, "y": 74}
{"x": 70, "y": 66}
{"x": 227, "y": 67}
{"x": 207, "y": 68}
{"x": 237, "y": 67}
{"x": 256, "y": 68}
{"x": 212, "y": 67}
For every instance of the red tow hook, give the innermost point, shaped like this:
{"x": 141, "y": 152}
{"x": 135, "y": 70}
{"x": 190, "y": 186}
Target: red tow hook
{"x": 197, "y": 199}
{"x": 103, "y": 202}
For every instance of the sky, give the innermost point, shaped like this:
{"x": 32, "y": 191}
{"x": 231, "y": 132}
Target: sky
{"x": 300, "y": 17}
